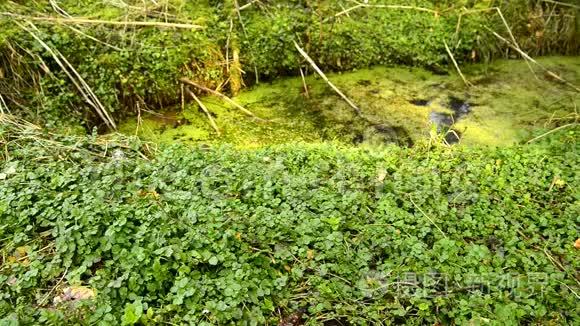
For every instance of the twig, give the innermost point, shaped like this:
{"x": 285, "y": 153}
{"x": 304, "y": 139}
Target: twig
{"x": 427, "y": 216}
{"x": 304, "y": 83}
{"x": 552, "y": 131}
{"x": 247, "y": 5}
{"x": 561, "y": 3}
{"x": 364, "y": 5}
{"x": 54, "y": 288}
{"x": 526, "y": 56}
{"x": 94, "y": 38}
{"x": 202, "y": 106}
{"x": 305, "y": 55}
{"x": 220, "y": 95}
{"x": 58, "y": 20}
{"x": 467, "y": 83}
{"x": 344, "y": 9}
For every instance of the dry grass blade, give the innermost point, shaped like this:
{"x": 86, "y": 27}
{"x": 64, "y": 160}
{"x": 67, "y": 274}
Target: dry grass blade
{"x": 3, "y": 106}
{"x": 17, "y": 123}
{"x": 94, "y": 38}
{"x": 21, "y": 130}
{"x": 76, "y": 79}
{"x": 559, "y": 3}
{"x": 427, "y": 216}
{"x": 551, "y": 132}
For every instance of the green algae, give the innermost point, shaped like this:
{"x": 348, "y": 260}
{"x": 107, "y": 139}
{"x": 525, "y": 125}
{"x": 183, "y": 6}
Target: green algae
{"x": 508, "y": 103}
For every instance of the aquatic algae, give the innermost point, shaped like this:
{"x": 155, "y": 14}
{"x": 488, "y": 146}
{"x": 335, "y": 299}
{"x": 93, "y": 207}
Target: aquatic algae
{"x": 400, "y": 105}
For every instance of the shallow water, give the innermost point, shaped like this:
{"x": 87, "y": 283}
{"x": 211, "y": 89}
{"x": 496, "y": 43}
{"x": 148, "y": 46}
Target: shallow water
{"x": 506, "y": 105}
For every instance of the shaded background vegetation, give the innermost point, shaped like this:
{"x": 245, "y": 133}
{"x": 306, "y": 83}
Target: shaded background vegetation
{"x": 132, "y": 67}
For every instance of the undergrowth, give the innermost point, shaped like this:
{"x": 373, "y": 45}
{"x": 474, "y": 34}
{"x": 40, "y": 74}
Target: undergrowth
{"x": 319, "y": 234}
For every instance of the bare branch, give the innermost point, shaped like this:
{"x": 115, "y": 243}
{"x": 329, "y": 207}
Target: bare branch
{"x": 204, "y": 108}
{"x": 305, "y": 55}
{"x": 365, "y": 5}
{"x": 58, "y": 20}
{"x": 467, "y": 83}
{"x": 218, "y": 94}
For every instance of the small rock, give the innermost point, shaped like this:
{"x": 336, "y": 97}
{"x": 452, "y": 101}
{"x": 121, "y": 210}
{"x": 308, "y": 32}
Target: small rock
{"x": 75, "y": 293}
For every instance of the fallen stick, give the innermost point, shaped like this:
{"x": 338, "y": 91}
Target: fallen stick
{"x": 467, "y": 83}
{"x": 551, "y": 132}
{"x": 247, "y": 5}
{"x": 58, "y": 20}
{"x": 218, "y": 94}
{"x": 304, "y": 83}
{"x": 364, "y": 5}
{"x": 305, "y": 55}
{"x": 202, "y": 106}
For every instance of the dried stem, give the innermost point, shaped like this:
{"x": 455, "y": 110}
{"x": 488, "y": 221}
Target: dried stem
{"x": 365, "y": 5}
{"x": 76, "y": 21}
{"x": 247, "y": 5}
{"x": 76, "y": 78}
{"x": 527, "y": 57}
{"x": 220, "y": 95}
{"x": 467, "y": 83}
{"x": 204, "y": 108}
{"x": 315, "y": 67}
{"x": 304, "y": 83}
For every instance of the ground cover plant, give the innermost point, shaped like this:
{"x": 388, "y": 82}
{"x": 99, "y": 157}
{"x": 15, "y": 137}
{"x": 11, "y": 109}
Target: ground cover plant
{"x": 105, "y": 233}
{"x": 309, "y": 199}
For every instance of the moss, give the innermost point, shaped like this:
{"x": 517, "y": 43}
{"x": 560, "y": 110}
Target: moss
{"x": 507, "y": 104}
